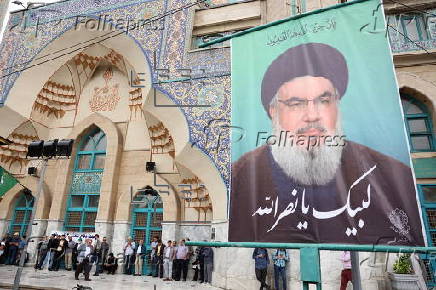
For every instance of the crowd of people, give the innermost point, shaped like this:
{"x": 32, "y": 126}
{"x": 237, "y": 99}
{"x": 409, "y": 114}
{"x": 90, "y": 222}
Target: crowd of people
{"x": 261, "y": 261}
{"x": 11, "y": 249}
{"x": 280, "y": 259}
{"x": 62, "y": 252}
{"x": 169, "y": 261}
{"x": 77, "y": 255}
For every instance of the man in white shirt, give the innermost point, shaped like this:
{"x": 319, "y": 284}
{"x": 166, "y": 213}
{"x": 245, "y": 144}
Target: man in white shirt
{"x": 129, "y": 250}
{"x": 181, "y": 258}
{"x": 85, "y": 251}
{"x": 153, "y": 252}
{"x": 139, "y": 258}
{"x": 97, "y": 254}
{"x": 168, "y": 261}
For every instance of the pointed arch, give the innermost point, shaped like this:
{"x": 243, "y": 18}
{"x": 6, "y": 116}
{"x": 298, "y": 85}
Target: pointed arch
{"x": 22, "y": 213}
{"x": 9, "y": 200}
{"x": 30, "y": 81}
{"x": 186, "y": 153}
{"x": 14, "y": 155}
{"x": 422, "y": 87}
{"x": 418, "y": 120}
{"x": 109, "y": 182}
{"x": 171, "y": 203}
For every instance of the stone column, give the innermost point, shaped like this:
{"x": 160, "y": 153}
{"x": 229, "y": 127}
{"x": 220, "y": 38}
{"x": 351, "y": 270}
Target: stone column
{"x": 221, "y": 229}
{"x": 170, "y": 231}
{"x": 121, "y": 232}
{"x": 4, "y": 226}
{"x": 234, "y": 269}
{"x": 104, "y": 229}
{"x": 54, "y": 226}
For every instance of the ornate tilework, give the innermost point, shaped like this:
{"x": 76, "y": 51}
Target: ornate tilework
{"x": 86, "y": 182}
{"x": 208, "y": 126}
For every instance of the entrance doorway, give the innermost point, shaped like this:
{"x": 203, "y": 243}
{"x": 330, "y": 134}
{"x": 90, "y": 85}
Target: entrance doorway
{"x": 147, "y": 219}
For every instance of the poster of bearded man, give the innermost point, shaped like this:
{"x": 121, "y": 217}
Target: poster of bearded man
{"x": 325, "y": 158}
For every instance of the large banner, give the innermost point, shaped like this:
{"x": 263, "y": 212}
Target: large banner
{"x": 325, "y": 157}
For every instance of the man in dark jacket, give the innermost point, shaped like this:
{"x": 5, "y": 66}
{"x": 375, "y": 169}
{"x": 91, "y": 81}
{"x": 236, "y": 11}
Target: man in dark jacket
{"x": 261, "y": 262}
{"x": 42, "y": 253}
{"x": 199, "y": 265}
{"x": 53, "y": 244}
{"x": 208, "y": 264}
{"x": 158, "y": 259}
{"x": 59, "y": 253}
{"x": 110, "y": 264}
{"x": 14, "y": 242}
{"x": 318, "y": 187}
{"x": 104, "y": 250}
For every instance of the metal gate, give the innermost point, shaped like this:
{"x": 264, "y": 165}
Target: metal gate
{"x": 146, "y": 224}
{"x": 427, "y": 195}
{"x": 22, "y": 212}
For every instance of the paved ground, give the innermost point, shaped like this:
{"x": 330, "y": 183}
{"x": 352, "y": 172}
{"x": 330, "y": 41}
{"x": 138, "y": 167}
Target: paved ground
{"x": 65, "y": 280}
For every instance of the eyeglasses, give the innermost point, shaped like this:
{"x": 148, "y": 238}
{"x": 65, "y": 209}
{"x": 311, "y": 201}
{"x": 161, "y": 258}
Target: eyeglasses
{"x": 323, "y": 102}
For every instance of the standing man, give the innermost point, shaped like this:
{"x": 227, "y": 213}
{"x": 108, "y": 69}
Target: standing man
{"x": 53, "y": 244}
{"x": 346, "y": 269}
{"x": 153, "y": 252}
{"x": 42, "y": 252}
{"x": 280, "y": 259}
{"x": 208, "y": 264}
{"x": 84, "y": 255}
{"x": 261, "y": 261}
{"x": 21, "y": 246}
{"x": 74, "y": 256}
{"x": 129, "y": 251}
{"x": 58, "y": 253}
{"x": 139, "y": 259}
{"x": 159, "y": 259}
{"x": 104, "y": 251}
{"x": 69, "y": 253}
{"x": 181, "y": 255}
{"x": 97, "y": 254}
{"x": 201, "y": 260}
{"x": 190, "y": 254}
{"x": 175, "y": 246}
{"x": 168, "y": 259}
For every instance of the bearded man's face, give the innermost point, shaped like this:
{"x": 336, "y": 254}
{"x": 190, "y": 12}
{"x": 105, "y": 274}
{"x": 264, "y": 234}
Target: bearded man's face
{"x": 307, "y": 107}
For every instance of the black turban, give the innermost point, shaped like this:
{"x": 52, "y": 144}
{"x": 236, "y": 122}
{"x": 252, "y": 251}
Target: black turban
{"x": 310, "y": 59}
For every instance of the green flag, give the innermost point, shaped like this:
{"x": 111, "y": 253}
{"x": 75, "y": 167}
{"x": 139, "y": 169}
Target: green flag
{"x": 7, "y": 181}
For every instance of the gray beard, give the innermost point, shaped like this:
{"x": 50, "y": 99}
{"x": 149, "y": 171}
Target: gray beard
{"x": 316, "y": 166}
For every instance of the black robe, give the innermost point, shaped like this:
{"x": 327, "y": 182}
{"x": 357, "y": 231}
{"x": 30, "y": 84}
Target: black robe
{"x": 382, "y": 207}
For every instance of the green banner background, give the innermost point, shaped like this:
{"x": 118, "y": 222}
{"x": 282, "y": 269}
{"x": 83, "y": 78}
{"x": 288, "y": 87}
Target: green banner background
{"x": 370, "y": 110}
